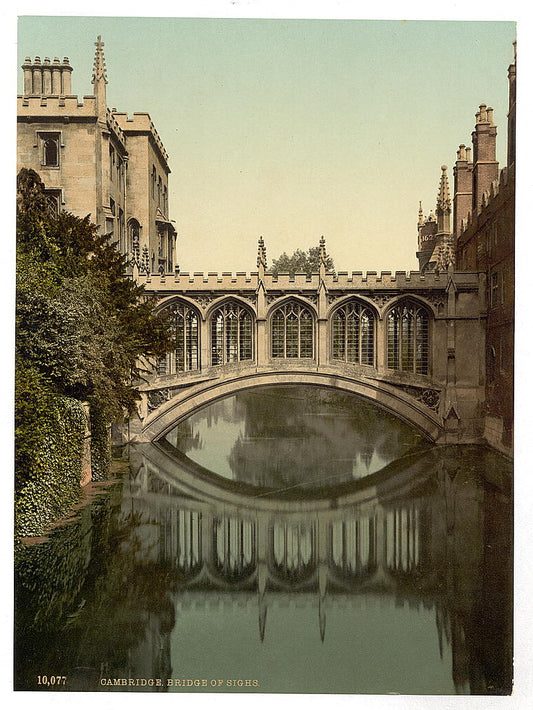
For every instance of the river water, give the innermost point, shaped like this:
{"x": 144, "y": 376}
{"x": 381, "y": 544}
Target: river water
{"x": 281, "y": 540}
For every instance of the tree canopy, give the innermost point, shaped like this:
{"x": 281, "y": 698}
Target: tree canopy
{"x": 300, "y": 261}
{"x": 82, "y": 325}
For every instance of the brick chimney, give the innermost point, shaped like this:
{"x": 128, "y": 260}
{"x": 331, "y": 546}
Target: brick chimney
{"x": 462, "y": 188}
{"x": 485, "y": 169}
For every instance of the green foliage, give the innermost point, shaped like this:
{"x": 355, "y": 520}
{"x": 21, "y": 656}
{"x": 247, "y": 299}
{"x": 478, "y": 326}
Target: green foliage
{"x": 81, "y": 322}
{"x": 49, "y": 431}
{"x": 300, "y": 262}
{"x": 82, "y": 328}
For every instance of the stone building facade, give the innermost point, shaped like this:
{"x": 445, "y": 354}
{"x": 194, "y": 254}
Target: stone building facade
{"x": 480, "y": 238}
{"x": 96, "y": 161}
{"x": 484, "y": 232}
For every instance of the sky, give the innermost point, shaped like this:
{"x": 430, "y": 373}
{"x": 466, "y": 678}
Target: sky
{"x": 292, "y": 129}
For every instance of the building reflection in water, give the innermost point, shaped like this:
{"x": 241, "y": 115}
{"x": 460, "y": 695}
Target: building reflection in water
{"x": 431, "y": 532}
{"x": 286, "y": 435}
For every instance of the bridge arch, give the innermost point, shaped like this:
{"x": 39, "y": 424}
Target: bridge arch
{"x": 394, "y": 400}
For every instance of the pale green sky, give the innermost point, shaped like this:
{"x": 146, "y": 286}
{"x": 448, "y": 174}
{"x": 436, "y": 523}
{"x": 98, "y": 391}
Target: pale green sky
{"x": 293, "y": 129}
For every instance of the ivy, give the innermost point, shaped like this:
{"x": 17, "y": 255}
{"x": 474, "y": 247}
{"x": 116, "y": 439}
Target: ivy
{"x": 82, "y": 329}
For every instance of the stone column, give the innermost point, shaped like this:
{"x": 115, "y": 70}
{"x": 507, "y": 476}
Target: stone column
{"x": 322, "y": 342}
{"x": 56, "y": 77}
{"x": 381, "y": 344}
{"x": 261, "y": 345}
{"x": 47, "y": 77}
{"x": 37, "y": 77}
{"x": 66, "y": 71}
{"x": 205, "y": 360}
{"x": 28, "y": 77}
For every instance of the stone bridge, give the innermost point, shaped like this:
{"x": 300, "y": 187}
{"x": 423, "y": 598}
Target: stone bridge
{"x": 410, "y": 343}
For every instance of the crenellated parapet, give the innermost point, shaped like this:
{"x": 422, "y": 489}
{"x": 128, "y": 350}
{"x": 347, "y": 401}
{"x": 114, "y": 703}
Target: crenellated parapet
{"x": 352, "y": 281}
{"x": 503, "y": 188}
{"x": 140, "y": 123}
{"x": 44, "y": 108}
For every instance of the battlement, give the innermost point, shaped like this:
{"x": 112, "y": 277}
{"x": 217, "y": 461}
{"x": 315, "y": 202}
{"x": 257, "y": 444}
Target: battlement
{"x": 140, "y": 122}
{"x": 55, "y": 106}
{"x": 115, "y": 126}
{"x": 496, "y": 187}
{"x": 356, "y": 280}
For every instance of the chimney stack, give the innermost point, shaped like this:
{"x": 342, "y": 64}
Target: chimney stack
{"x": 462, "y": 188}
{"x": 485, "y": 165}
{"x": 47, "y": 78}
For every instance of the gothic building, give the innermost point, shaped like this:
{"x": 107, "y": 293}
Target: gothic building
{"x": 482, "y": 240}
{"x": 96, "y": 161}
{"x": 434, "y": 233}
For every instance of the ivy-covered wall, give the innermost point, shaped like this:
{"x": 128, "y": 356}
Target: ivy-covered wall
{"x": 52, "y": 475}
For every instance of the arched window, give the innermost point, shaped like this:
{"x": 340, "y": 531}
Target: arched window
{"x": 50, "y": 147}
{"x": 352, "y": 334}
{"x": 408, "y": 338}
{"x": 186, "y": 353}
{"x": 292, "y": 331}
{"x": 231, "y": 334}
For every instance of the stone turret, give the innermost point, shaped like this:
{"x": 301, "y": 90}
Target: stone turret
{"x": 47, "y": 78}
{"x": 434, "y": 232}
{"x": 444, "y": 205}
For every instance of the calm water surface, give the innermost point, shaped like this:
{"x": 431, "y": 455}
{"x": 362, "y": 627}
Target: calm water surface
{"x": 281, "y": 540}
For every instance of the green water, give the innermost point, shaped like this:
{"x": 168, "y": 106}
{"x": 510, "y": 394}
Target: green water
{"x": 336, "y": 552}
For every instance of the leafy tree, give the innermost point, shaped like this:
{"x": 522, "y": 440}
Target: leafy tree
{"x": 307, "y": 262}
{"x": 81, "y": 323}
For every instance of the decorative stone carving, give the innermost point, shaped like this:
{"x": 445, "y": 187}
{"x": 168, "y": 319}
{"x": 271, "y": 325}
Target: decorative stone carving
{"x": 250, "y": 298}
{"x": 380, "y": 299}
{"x": 438, "y": 300}
{"x": 271, "y": 297}
{"x": 204, "y": 301}
{"x": 158, "y": 397}
{"x": 429, "y": 397}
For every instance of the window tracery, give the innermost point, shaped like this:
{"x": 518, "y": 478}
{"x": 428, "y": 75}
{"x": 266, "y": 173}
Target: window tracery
{"x": 408, "y": 338}
{"x": 231, "y": 334}
{"x": 292, "y": 330}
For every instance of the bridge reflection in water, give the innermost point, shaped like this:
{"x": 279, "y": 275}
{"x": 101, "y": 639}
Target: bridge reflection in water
{"x": 427, "y": 535}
